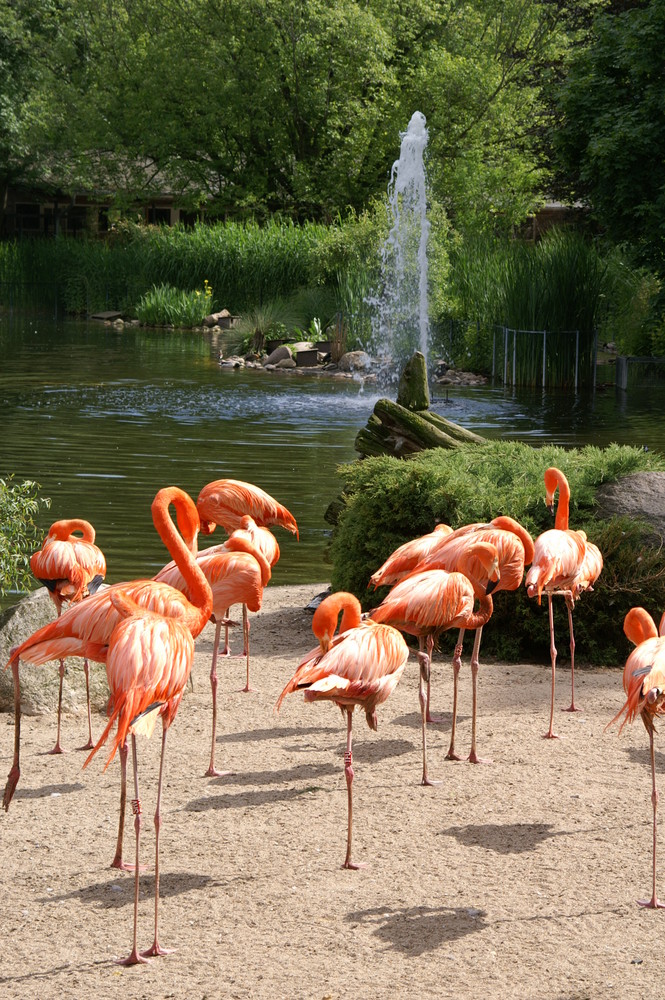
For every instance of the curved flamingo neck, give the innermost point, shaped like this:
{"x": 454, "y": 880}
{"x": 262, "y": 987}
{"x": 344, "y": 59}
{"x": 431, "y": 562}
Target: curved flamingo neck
{"x": 199, "y": 588}
{"x": 325, "y": 617}
{"x": 555, "y": 479}
{"x": 63, "y": 529}
{"x": 242, "y": 543}
{"x": 507, "y": 523}
{"x": 638, "y": 625}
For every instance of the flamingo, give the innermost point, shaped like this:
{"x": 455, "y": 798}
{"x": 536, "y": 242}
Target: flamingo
{"x": 85, "y": 629}
{"x": 237, "y": 572}
{"x": 644, "y": 684}
{"x": 515, "y": 548}
{"x": 406, "y": 557}
{"x": 361, "y": 665}
{"x": 564, "y": 563}
{"x": 148, "y": 662}
{"x": 427, "y": 603}
{"x": 226, "y": 501}
{"x": 71, "y": 567}
{"x": 237, "y": 505}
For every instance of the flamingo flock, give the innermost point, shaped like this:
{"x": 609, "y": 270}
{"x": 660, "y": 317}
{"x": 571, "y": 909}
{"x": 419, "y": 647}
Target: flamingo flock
{"x": 144, "y": 631}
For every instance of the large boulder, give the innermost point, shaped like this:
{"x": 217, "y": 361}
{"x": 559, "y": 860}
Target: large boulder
{"x": 282, "y": 353}
{"x": 640, "y": 496}
{"x": 39, "y": 685}
{"x": 354, "y": 361}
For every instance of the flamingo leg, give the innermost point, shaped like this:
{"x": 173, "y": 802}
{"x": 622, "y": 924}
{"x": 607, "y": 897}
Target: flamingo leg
{"x": 457, "y": 664}
{"x": 430, "y": 650}
{"x": 117, "y": 860}
{"x": 475, "y": 666}
{"x": 212, "y": 771}
{"x": 134, "y": 957}
{"x": 156, "y": 948}
{"x": 245, "y": 632}
{"x": 15, "y": 772}
{"x": 653, "y": 903}
{"x": 57, "y": 748}
{"x": 570, "y": 605}
{"x": 550, "y": 734}
{"x": 424, "y": 661}
{"x": 86, "y": 670}
{"x": 348, "y": 773}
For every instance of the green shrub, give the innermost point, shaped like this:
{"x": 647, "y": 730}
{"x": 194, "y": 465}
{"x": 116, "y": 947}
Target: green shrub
{"x": 167, "y": 306}
{"x": 19, "y": 534}
{"x": 388, "y": 501}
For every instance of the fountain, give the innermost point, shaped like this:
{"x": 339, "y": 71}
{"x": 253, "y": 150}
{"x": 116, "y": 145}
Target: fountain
{"x": 400, "y": 310}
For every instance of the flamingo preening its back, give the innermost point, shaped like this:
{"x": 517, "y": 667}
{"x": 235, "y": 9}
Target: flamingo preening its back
{"x": 71, "y": 567}
{"x": 644, "y": 684}
{"x": 564, "y": 563}
{"x": 360, "y": 666}
{"x": 226, "y": 501}
{"x": 427, "y": 603}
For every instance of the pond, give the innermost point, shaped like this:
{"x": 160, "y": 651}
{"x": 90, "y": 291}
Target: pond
{"x": 102, "y": 418}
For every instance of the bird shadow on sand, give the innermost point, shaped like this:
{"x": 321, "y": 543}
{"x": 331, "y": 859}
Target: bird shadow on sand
{"x": 274, "y": 733}
{"x": 414, "y": 719}
{"x": 507, "y": 838}
{"x": 46, "y": 791}
{"x": 640, "y": 755}
{"x": 118, "y": 891}
{"x": 245, "y": 800}
{"x": 419, "y": 929}
{"x": 301, "y": 772}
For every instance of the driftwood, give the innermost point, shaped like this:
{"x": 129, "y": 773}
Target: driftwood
{"x": 394, "y": 430}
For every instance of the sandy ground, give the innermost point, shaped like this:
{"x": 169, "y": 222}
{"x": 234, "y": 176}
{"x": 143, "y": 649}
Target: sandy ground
{"x": 513, "y": 879}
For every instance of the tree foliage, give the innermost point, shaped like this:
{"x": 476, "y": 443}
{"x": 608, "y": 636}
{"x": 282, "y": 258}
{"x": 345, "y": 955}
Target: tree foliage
{"x": 19, "y": 505}
{"x": 612, "y": 139}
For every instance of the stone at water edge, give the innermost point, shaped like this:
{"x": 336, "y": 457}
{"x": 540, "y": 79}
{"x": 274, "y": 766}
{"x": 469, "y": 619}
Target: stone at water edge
{"x": 413, "y": 390}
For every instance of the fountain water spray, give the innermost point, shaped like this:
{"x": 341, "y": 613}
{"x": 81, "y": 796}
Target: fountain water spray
{"x": 400, "y": 323}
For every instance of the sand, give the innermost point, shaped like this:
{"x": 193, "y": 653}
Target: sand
{"x": 517, "y": 878}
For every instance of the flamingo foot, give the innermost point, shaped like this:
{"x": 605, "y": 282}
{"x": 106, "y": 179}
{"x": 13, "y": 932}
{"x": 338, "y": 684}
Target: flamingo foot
{"x": 651, "y": 904}
{"x": 10, "y": 786}
{"x": 247, "y": 689}
{"x": 134, "y": 958}
{"x": 451, "y": 755}
{"x": 473, "y": 758}
{"x": 430, "y": 782}
{"x": 572, "y": 708}
{"x": 126, "y": 866}
{"x": 434, "y": 718}
{"x": 87, "y": 746}
{"x": 550, "y": 735}
{"x": 155, "y": 950}
{"x": 212, "y": 772}
{"x": 354, "y": 866}
{"x": 56, "y": 749}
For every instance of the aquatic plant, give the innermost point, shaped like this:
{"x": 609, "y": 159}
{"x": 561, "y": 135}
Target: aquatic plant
{"x": 164, "y": 305}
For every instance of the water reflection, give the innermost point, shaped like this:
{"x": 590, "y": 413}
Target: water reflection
{"x": 102, "y": 418}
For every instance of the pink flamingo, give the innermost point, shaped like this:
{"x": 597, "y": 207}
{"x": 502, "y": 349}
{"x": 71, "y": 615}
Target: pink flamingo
{"x": 360, "y": 666}
{"x": 644, "y": 684}
{"x": 428, "y": 603}
{"x": 564, "y": 563}
{"x": 148, "y": 662}
{"x": 71, "y": 567}
{"x": 515, "y": 548}
{"x": 85, "y": 629}
{"x": 237, "y": 572}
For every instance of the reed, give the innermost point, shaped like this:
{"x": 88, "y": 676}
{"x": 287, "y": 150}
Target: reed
{"x": 164, "y": 305}
{"x": 562, "y": 285}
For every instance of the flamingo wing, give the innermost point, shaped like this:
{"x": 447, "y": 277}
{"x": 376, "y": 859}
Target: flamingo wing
{"x": 226, "y": 501}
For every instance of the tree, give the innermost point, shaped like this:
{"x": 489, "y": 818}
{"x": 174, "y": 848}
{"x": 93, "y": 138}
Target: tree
{"x": 611, "y": 143}
{"x": 19, "y": 505}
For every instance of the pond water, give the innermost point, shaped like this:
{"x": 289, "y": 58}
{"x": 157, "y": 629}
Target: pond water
{"x": 102, "y": 418}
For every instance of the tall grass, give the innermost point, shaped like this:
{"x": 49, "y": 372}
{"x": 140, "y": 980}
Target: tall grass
{"x": 563, "y": 285}
{"x": 245, "y": 263}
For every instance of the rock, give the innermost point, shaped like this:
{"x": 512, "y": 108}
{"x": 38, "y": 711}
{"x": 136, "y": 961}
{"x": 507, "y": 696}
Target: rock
{"x": 286, "y": 363}
{"x": 279, "y": 354}
{"x": 354, "y": 361}
{"x": 235, "y": 361}
{"x": 640, "y": 496}
{"x": 222, "y": 319}
{"x": 39, "y": 685}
